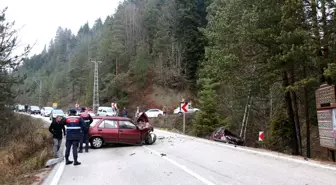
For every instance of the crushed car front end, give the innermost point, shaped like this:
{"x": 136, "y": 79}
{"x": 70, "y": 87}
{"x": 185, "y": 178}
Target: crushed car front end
{"x": 147, "y": 130}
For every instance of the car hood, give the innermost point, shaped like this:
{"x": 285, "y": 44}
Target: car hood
{"x": 143, "y": 122}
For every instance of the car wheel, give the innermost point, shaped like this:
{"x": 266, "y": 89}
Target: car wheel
{"x": 150, "y": 138}
{"x": 97, "y": 142}
{"x": 160, "y": 115}
{"x": 180, "y": 113}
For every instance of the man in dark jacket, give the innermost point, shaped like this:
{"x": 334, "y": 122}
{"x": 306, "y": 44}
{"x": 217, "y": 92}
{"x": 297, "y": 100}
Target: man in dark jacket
{"x": 73, "y": 135}
{"x": 125, "y": 113}
{"x": 57, "y": 129}
{"x": 85, "y": 134}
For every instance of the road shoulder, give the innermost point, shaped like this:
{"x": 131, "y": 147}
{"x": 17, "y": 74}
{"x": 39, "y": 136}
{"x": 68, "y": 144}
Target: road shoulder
{"x": 266, "y": 153}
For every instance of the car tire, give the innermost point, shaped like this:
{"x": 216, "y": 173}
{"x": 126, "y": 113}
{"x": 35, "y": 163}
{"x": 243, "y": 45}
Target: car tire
{"x": 180, "y": 113}
{"x": 150, "y": 138}
{"x": 97, "y": 142}
{"x": 160, "y": 115}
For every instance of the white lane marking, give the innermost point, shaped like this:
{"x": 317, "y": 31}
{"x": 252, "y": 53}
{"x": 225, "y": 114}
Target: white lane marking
{"x": 184, "y": 168}
{"x": 58, "y": 174}
{"x": 246, "y": 149}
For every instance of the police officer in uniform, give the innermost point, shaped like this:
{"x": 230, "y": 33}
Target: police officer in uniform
{"x": 85, "y": 132}
{"x": 73, "y": 135}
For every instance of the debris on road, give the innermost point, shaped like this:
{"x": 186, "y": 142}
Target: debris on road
{"x": 132, "y": 154}
{"x": 163, "y": 154}
{"x": 161, "y": 137}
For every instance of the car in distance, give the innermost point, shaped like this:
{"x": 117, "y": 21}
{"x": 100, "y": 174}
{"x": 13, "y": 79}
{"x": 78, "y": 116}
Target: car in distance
{"x": 119, "y": 130}
{"x": 46, "y": 111}
{"x": 20, "y": 108}
{"x": 34, "y": 110}
{"x": 56, "y": 112}
{"x": 106, "y": 111}
{"x": 154, "y": 113}
{"x": 189, "y": 108}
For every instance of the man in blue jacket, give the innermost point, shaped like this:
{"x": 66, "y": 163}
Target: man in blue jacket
{"x": 73, "y": 135}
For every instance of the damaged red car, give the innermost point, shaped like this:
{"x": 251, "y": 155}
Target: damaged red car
{"x": 120, "y": 130}
{"x": 223, "y": 135}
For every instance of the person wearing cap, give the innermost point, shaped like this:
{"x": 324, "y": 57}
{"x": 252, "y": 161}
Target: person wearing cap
{"x": 74, "y": 128}
{"x": 85, "y": 132}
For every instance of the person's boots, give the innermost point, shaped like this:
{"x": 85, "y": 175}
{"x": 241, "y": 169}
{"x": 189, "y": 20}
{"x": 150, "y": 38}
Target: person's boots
{"x": 67, "y": 162}
{"x": 76, "y": 162}
{"x": 80, "y": 151}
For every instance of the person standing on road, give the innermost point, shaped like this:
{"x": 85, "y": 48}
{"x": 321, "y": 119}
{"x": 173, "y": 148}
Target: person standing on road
{"x": 57, "y": 129}
{"x": 125, "y": 113}
{"x": 85, "y": 132}
{"x": 73, "y": 135}
{"x": 164, "y": 110}
{"x": 26, "y": 108}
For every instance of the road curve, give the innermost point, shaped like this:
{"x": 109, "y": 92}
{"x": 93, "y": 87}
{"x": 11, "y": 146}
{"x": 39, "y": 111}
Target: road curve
{"x": 178, "y": 160}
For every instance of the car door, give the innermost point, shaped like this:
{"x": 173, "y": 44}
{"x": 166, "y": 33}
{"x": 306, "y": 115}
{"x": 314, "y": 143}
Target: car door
{"x": 156, "y": 113}
{"x": 129, "y": 133}
{"x": 149, "y": 113}
{"x": 99, "y": 112}
{"x": 108, "y": 129}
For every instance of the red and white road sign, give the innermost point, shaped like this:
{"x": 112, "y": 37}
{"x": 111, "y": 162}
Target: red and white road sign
{"x": 114, "y": 105}
{"x": 261, "y": 136}
{"x": 184, "y": 107}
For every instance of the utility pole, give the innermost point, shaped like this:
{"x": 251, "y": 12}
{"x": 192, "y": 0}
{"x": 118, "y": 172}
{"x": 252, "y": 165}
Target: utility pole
{"x": 40, "y": 94}
{"x": 95, "y": 86}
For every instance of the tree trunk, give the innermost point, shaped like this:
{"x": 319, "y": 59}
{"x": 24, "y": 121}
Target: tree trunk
{"x": 296, "y": 114}
{"x": 306, "y": 115}
{"x": 290, "y": 113}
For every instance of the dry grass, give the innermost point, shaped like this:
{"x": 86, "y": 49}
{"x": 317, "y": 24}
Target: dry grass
{"x": 24, "y": 150}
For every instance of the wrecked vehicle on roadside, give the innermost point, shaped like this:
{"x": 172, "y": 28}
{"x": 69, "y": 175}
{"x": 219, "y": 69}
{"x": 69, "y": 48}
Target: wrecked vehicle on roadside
{"x": 221, "y": 134}
{"x": 120, "y": 130}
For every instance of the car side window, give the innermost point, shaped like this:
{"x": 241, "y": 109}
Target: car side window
{"x": 101, "y": 125}
{"x": 94, "y": 122}
{"x": 110, "y": 124}
{"x": 126, "y": 125}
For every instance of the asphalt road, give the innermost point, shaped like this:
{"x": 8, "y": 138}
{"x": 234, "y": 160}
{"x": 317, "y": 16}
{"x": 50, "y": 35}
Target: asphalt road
{"x": 175, "y": 159}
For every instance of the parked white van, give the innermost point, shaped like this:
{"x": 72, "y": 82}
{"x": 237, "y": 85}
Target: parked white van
{"x": 106, "y": 111}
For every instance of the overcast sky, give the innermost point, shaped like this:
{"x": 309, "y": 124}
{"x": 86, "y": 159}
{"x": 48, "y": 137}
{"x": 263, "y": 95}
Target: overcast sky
{"x": 38, "y": 20}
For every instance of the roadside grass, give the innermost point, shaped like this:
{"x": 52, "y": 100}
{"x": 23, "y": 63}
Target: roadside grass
{"x": 24, "y": 148}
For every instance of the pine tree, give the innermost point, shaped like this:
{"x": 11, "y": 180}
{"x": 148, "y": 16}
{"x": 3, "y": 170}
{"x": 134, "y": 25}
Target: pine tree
{"x": 207, "y": 120}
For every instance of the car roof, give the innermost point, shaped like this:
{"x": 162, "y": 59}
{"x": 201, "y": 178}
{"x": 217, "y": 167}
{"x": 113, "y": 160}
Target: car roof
{"x": 112, "y": 118}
